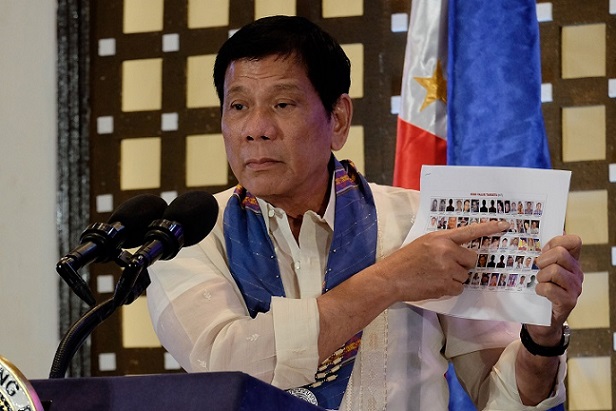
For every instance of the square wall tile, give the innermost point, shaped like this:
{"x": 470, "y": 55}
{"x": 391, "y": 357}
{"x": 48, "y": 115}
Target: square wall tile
{"x": 137, "y": 329}
{"x": 141, "y": 16}
{"x": 589, "y": 384}
{"x": 104, "y": 125}
{"x": 587, "y": 216}
{"x": 105, "y": 284}
{"x": 200, "y": 90}
{"x": 107, "y": 361}
{"x": 208, "y": 13}
{"x": 142, "y": 84}
{"x": 169, "y": 121}
{"x": 584, "y": 133}
{"x": 611, "y": 88}
{"x": 583, "y": 51}
{"x": 206, "y": 161}
{"x": 394, "y": 104}
{"x": 354, "y": 149}
{"x": 171, "y": 42}
{"x": 170, "y": 363}
{"x": 104, "y": 203}
{"x": 399, "y": 22}
{"x": 342, "y": 8}
{"x": 355, "y": 53}
{"x": 546, "y": 93}
{"x": 544, "y": 12}
{"x": 264, "y": 8}
{"x": 169, "y": 196}
{"x": 106, "y": 47}
{"x": 140, "y": 163}
{"x": 593, "y": 307}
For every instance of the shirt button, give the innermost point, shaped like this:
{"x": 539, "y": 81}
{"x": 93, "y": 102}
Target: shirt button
{"x": 271, "y": 213}
{"x": 297, "y": 266}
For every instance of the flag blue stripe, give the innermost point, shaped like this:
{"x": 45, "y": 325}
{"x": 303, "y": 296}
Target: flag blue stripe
{"x": 494, "y": 113}
{"x": 494, "y": 85}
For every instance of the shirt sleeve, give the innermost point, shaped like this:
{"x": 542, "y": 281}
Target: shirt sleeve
{"x": 490, "y": 379}
{"x": 200, "y": 318}
{"x": 502, "y": 388}
{"x": 296, "y": 328}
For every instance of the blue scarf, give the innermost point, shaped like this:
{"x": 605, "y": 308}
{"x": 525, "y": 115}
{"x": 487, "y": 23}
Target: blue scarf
{"x": 254, "y": 266}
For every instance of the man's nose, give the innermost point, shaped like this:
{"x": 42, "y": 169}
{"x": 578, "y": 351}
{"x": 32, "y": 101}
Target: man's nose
{"x": 259, "y": 125}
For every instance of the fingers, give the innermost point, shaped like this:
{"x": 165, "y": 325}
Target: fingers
{"x": 572, "y": 243}
{"x": 563, "y": 253}
{"x": 563, "y": 300}
{"x": 560, "y": 276}
{"x": 465, "y": 234}
{"x": 569, "y": 281}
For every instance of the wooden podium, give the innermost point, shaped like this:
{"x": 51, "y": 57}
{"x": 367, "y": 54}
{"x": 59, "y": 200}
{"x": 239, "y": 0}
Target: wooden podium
{"x": 222, "y": 391}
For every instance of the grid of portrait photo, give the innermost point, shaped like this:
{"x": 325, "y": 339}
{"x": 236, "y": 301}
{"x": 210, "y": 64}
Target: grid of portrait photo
{"x": 505, "y": 262}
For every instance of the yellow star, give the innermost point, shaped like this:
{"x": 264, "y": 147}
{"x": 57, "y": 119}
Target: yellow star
{"x": 436, "y": 86}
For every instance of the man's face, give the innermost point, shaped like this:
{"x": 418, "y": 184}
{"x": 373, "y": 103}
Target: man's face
{"x": 451, "y": 222}
{"x": 277, "y": 134}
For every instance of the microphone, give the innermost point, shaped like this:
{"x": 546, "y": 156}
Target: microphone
{"x": 186, "y": 221}
{"x": 101, "y": 242}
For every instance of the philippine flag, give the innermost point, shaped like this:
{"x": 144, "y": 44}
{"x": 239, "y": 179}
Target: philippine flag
{"x": 471, "y": 88}
{"x": 471, "y": 95}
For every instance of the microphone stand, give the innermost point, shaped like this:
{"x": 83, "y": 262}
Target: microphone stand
{"x": 77, "y": 334}
{"x": 82, "y": 328}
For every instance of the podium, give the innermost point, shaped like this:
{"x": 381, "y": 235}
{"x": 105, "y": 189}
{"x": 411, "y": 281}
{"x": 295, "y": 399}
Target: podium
{"x": 217, "y": 391}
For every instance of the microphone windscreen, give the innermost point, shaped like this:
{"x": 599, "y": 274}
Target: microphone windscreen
{"x": 196, "y": 211}
{"x": 136, "y": 214}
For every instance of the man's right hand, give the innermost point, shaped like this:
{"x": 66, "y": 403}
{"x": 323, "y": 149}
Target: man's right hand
{"x": 432, "y": 266}
{"x": 435, "y": 264}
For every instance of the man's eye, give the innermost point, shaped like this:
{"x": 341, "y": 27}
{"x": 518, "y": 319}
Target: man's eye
{"x": 237, "y": 106}
{"x": 282, "y": 105}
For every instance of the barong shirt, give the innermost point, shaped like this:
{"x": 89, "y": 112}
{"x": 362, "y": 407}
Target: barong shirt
{"x": 200, "y": 318}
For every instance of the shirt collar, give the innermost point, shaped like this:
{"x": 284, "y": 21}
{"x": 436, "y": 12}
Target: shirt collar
{"x": 269, "y": 210}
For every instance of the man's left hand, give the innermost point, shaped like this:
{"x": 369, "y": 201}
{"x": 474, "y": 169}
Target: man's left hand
{"x": 560, "y": 281}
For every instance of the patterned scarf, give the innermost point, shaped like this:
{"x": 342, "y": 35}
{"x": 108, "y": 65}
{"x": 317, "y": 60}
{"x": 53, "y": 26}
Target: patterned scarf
{"x": 254, "y": 266}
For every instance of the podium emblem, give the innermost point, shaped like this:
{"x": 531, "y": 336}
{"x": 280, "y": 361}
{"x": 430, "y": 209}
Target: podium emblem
{"x": 304, "y": 394}
{"x": 16, "y": 393}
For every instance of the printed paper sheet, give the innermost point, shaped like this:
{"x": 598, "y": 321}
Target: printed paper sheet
{"x": 501, "y": 286}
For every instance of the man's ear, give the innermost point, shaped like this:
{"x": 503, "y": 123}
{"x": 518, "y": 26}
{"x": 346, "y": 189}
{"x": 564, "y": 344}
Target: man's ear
{"x": 341, "y": 121}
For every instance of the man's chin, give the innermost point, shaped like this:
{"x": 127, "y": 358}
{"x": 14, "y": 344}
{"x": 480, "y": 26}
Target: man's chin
{"x": 262, "y": 189}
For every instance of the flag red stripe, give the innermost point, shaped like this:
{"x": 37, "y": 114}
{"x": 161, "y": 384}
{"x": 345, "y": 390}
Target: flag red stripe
{"x": 415, "y": 147}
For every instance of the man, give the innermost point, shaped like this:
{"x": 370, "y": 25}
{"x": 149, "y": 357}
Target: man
{"x": 529, "y": 208}
{"x": 492, "y": 208}
{"x": 303, "y": 281}
{"x": 452, "y": 222}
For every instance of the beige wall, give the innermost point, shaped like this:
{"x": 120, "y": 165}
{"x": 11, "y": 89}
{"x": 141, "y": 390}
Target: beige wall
{"x": 28, "y": 246}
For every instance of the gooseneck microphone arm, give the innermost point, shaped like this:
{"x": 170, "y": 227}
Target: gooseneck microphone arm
{"x": 163, "y": 241}
{"x": 97, "y": 240}
{"x": 83, "y": 327}
{"x": 77, "y": 334}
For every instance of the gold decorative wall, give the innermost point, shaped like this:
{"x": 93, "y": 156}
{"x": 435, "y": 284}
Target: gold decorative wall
{"x": 155, "y": 129}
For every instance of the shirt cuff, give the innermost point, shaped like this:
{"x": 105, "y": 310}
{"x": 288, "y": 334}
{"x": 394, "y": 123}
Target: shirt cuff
{"x": 296, "y": 328}
{"x": 503, "y": 387}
